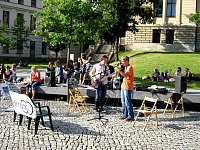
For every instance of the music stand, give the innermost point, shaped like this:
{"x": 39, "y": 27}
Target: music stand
{"x": 99, "y": 88}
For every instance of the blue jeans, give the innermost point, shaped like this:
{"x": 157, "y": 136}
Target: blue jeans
{"x": 34, "y": 84}
{"x": 100, "y": 96}
{"x": 127, "y": 106}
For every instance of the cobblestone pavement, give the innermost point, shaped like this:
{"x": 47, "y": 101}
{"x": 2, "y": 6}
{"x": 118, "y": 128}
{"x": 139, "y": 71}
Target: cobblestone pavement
{"x": 73, "y": 131}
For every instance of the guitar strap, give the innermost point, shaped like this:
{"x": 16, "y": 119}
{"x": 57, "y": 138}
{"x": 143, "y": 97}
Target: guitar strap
{"x": 105, "y": 70}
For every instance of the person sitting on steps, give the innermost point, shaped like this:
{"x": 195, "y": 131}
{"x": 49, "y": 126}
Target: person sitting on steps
{"x": 34, "y": 82}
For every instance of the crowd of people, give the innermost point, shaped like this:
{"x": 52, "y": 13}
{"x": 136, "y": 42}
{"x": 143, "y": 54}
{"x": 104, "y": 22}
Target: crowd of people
{"x": 167, "y": 76}
{"x": 8, "y": 74}
{"x": 100, "y": 74}
{"x": 79, "y": 70}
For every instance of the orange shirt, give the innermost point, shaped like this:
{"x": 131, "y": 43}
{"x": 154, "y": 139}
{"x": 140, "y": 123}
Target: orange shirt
{"x": 127, "y": 83}
{"x": 34, "y": 77}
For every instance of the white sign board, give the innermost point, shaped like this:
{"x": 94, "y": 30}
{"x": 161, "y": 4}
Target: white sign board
{"x": 23, "y": 105}
{"x": 71, "y": 57}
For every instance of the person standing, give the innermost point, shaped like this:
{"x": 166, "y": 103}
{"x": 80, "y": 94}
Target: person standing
{"x": 99, "y": 71}
{"x": 86, "y": 75}
{"x": 126, "y": 89}
{"x": 68, "y": 70}
{"x": 59, "y": 71}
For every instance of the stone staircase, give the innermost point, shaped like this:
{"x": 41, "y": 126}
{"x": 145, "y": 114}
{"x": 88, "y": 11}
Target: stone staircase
{"x": 102, "y": 50}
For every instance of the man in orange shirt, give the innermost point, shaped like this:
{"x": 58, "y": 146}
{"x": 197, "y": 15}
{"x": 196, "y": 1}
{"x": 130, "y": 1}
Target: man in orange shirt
{"x": 126, "y": 89}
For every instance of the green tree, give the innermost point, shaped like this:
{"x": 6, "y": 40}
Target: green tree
{"x": 20, "y": 34}
{"x": 79, "y": 21}
{"x": 195, "y": 17}
{"x": 124, "y": 13}
{"x": 67, "y": 21}
{"x": 5, "y": 41}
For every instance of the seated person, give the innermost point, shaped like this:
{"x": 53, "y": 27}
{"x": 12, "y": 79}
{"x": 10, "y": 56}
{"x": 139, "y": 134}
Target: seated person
{"x": 2, "y": 71}
{"x": 7, "y": 76}
{"x": 14, "y": 72}
{"x": 49, "y": 69}
{"x": 155, "y": 75}
{"x": 34, "y": 81}
{"x": 50, "y": 75}
{"x": 188, "y": 75}
{"x": 178, "y": 72}
{"x": 165, "y": 75}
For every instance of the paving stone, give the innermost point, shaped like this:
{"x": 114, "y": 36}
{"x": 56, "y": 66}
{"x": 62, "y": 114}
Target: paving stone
{"x": 73, "y": 131}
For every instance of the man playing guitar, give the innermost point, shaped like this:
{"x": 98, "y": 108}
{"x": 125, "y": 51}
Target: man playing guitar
{"x": 99, "y": 71}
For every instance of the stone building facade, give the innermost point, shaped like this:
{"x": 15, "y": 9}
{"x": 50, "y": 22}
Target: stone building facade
{"x": 36, "y": 49}
{"x": 170, "y": 30}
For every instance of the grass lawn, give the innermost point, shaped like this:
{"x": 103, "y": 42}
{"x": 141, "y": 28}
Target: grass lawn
{"x": 144, "y": 63}
{"x": 36, "y": 64}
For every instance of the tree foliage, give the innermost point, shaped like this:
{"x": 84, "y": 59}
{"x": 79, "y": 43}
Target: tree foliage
{"x": 5, "y": 41}
{"x": 79, "y": 21}
{"x": 195, "y": 17}
{"x": 124, "y": 14}
{"x": 20, "y": 35}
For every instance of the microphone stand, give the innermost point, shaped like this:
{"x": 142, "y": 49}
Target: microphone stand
{"x": 99, "y": 88}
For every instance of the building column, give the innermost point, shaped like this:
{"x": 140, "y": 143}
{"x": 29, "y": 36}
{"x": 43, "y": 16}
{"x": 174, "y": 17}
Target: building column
{"x": 1, "y": 17}
{"x": 178, "y": 11}
{"x": 13, "y": 16}
{"x": 164, "y": 11}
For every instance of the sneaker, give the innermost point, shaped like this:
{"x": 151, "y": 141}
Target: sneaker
{"x": 103, "y": 110}
{"x": 129, "y": 119}
{"x": 122, "y": 118}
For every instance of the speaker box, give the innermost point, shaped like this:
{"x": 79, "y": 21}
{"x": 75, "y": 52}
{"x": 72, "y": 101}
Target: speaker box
{"x": 52, "y": 78}
{"x": 180, "y": 84}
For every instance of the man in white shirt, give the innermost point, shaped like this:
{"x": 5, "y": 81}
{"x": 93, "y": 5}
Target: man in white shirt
{"x": 100, "y": 72}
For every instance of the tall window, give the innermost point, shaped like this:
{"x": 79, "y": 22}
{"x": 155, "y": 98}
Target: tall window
{"x": 6, "y": 19}
{"x": 169, "y": 36}
{"x": 33, "y": 3}
{"x": 5, "y": 50}
{"x": 32, "y": 23}
{"x": 7, "y": 0}
{"x": 156, "y": 36}
{"x": 20, "y": 47}
{"x": 21, "y": 2}
{"x": 32, "y": 49}
{"x": 158, "y": 8}
{"x": 171, "y": 8}
{"x": 20, "y": 15}
{"x": 44, "y": 48}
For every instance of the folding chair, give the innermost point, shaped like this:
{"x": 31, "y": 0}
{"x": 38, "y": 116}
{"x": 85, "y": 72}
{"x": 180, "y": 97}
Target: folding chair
{"x": 78, "y": 93}
{"x": 174, "y": 101}
{"x": 148, "y": 108}
{"x": 76, "y": 100}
